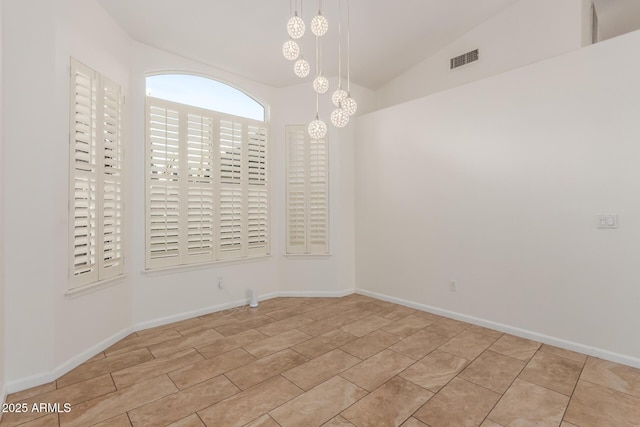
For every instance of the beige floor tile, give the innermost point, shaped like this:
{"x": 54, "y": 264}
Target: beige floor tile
{"x": 407, "y": 325}
{"x": 121, "y": 420}
{"x": 295, "y": 310}
{"x": 177, "y": 345}
{"x": 526, "y": 404}
{"x": 447, "y": 327}
{"x": 414, "y": 422}
{"x": 435, "y": 370}
{"x": 327, "y": 312}
{"x": 494, "y": 371}
{"x": 108, "y": 406}
{"x": 137, "y": 342}
{"x": 191, "y": 421}
{"x": 485, "y": 331}
{"x": 395, "y": 312}
{"x": 250, "y": 404}
{"x": 337, "y": 422}
{"x": 98, "y": 356}
{"x": 177, "y": 406}
{"x": 153, "y": 368}
{"x": 325, "y": 325}
{"x": 210, "y": 368}
{"x": 322, "y": 301}
{"x": 489, "y": 423}
{"x": 459, "y": 404}
{"x": 104, "y": 366}
{"x": 284, "y": 325}
{"x": 467, "y": 345}
{"x": 262, "y": 369}
{"x": 553, "y": 372}
{"x": 50, "y": 420}
{"x": 389, "y": 405}
{"x": 74, "y": 394}
{"x": 319, "y": 404}
{"x": 371, "y": 373}
{"x": 370, "y": 344}
{"x": 323, "y": 343}
{"x": 420, "y": 344}
{"x": 226, "y": 344}
{"x": 263, "y": 421}
{"x": 202, "y": 356}
{"x": 316, "y": 371}
{"x": 429, "y": 316}
{"x": 613, "y": 375}
{"x": 593, "y": 405}
{"x": 517, "y": 347}
{"x": 210, "y": 323}
{"x": 276, "y": 343}
{"x": 561, "y": 352}
{"x": 365, "y": 326}
{"x": 245, "y": 325}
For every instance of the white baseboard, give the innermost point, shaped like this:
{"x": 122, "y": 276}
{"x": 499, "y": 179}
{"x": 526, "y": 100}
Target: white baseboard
{"x": 39, "y": 379}
{"x": 524, "y": 333}
{"x": 43, "y": 378}
{"x": 312, "y": 294}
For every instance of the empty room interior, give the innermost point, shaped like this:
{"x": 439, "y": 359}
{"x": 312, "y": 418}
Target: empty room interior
{"x": 320, "y": 213}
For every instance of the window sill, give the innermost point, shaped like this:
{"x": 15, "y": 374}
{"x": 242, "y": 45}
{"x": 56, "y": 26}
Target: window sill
{"x": 308, "y": 256}
{"x": 202, "y": 266}
{"x": 95, "y": 286}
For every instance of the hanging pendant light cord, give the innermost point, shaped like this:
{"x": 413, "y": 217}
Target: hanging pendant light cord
{"x": 348, "y": 49}
{"x": 339, "y": 45}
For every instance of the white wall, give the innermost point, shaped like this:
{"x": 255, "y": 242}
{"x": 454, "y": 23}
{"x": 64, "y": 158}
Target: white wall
{"x": 46, "y": 331}
{"x": 334, "y": 273}
{"x": 526, "y": 32}
{"x": 2, "y": 181}
{"x": 497, "y": 185}
{"x": 159, "y": 297}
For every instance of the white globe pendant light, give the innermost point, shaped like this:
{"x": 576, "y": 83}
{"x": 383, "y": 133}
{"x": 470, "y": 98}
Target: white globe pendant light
{"x": 296, "y": 27}
{"x": 317, "y": 129}
{"x": 301, "y": 68}
{"x": 290, "y": 50}
{"x": 339, "y": 118}
{"x": 321, "y": 84}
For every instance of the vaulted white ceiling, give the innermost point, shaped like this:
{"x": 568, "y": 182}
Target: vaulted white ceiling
{"x": 245, "y": 36}
{"x": 387, "y": 36}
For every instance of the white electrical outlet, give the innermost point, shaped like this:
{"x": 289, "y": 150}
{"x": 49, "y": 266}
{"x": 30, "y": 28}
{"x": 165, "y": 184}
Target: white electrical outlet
{"x": 220, "y": 284}
{"x": 453, "y": 286}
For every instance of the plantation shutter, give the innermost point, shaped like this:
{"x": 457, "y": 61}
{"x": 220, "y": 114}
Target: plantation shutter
{"x": 200, "y": 188}
{"x": 96, "y": 156}
{"x": 231, "y": 197}
{"x": 307, "y": 193}
{"x": 258, "y": 200}
{"x": 112, "y": 261}
{"x": 163, "y": 195}
{"x": 207, "y": 189}
{"x": 84, "y": 83}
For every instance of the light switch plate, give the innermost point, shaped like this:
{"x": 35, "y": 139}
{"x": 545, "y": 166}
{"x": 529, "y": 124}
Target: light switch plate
{"x": 607, "y": 221}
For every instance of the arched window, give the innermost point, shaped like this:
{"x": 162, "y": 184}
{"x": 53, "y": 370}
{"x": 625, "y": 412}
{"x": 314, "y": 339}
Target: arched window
{"x": 206, "y": 168}
{"x": 204, "y": 93}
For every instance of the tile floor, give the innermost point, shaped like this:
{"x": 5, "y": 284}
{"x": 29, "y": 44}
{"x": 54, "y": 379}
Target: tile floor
{"x": 352, "y": 361}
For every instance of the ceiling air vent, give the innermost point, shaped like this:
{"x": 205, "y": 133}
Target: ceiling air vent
{"x": 464, "y": 59}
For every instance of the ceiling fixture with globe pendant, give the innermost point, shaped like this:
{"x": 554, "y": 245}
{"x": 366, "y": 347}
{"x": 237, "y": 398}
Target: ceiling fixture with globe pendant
{"x": 346, "y": 105}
